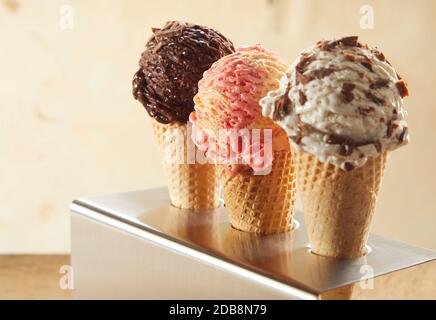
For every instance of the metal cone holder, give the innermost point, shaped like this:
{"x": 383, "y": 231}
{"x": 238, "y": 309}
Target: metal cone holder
{"x": 137, "y": 246}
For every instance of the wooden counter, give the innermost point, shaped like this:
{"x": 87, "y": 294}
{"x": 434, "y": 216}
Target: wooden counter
{"x": 39, "y": 277}
{"x": 32, "y": 277}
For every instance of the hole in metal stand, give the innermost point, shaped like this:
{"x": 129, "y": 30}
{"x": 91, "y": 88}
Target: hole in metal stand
{"x": 368, "y": 250}
{"x": 220, "y": 205}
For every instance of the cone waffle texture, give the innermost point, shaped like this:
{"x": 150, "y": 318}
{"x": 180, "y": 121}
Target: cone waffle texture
{"x": 261, "y": 203}
{"x": 191, "y": 185}
{"x": 338, "y": 205}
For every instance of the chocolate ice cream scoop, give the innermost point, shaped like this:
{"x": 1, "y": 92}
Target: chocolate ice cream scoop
{"x": 171, "y": 66}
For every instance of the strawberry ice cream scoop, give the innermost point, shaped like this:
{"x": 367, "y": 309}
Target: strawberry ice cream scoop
{"x": 228, "y": 102}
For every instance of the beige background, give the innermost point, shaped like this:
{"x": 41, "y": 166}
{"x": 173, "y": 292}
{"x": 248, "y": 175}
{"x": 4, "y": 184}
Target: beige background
{"x": 70, "y": 127}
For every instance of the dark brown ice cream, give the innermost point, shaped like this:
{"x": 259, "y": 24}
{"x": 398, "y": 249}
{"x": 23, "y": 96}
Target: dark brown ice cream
{"x": 171, "y": 66}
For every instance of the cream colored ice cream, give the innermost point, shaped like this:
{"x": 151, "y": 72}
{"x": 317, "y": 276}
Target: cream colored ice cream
{"x": 342, "y": 102}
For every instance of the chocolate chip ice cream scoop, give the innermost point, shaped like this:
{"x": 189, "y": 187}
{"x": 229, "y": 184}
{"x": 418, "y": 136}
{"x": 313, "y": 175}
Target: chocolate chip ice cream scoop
{"x": 341, "y": 101}
{"x": 173, "y": 62}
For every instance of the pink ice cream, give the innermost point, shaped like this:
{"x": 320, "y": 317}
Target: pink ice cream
{"x": 228, "y": 98}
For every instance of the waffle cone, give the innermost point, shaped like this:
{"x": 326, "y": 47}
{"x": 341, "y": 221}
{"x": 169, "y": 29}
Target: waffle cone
{"x": 338, "y": 205}
{"x": 261, "y": 203}
{"x": 190, "y": 185}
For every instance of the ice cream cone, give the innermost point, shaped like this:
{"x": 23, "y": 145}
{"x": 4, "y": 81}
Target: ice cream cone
{"x": 341, "y": 104}
{"x": 261, "y": 203}
{"x": 191, "y": 185}
{"x": 230, "y": 127}
{"x": 174, "y": 60}
{"x": 338, "y": 205}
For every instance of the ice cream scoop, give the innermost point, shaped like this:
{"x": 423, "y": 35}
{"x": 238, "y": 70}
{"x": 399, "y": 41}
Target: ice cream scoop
{"x": 173, "y": 62}
{"x": 228, "y": 99}
{"x": 342, "y": 102}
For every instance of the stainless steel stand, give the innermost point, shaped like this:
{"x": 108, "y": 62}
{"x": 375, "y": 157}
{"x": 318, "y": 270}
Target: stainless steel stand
{"x": 137, "y": 246}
